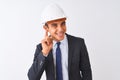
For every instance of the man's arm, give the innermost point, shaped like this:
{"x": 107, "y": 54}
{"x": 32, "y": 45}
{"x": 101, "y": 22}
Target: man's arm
{"x": 85, "y": 66}
{"x": 39, "y": 62}
{"x": 38, "y": 65}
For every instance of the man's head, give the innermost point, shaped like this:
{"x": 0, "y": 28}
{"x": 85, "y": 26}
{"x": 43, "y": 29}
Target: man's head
{"x": 56, "y": 28}
{"x": 53, "y": 20}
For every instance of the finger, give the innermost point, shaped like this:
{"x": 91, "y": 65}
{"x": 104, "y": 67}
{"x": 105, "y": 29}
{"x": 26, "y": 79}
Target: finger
{"x": 48, "y": 40}
{"x": 51, "y": 37}
{"x": 44, "y": 42}
{"x": 46, "y": 34}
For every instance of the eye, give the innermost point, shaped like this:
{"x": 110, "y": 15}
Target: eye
{"x": 54, "y": 25}
{"x": 63, "y": 23}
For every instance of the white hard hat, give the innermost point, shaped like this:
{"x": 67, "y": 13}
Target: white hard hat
{"x": 51, "y": 12}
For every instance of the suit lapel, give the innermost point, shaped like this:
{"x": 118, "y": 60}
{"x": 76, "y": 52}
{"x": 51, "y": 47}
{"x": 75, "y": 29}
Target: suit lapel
{"x": 70, "y": 51}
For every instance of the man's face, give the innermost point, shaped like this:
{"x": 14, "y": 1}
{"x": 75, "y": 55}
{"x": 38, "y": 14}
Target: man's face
{"x": 57, "y": 29}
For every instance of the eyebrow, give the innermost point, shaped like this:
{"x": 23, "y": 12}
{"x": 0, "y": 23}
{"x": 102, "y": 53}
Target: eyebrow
{"x": 54, "y": 24}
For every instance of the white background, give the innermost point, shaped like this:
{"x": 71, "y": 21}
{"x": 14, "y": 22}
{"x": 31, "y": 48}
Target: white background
{"x": 97, "y": 21}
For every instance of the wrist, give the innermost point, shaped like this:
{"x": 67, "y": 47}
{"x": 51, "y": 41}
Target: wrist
{"x": 44, "y": 53}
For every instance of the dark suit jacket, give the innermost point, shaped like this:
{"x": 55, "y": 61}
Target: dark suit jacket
{"x": 78, "y": 62}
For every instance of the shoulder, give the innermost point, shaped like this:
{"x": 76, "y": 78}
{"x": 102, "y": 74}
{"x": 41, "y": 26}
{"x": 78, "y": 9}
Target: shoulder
{"x": 75, "y": 42}
{"x": 74, "y": 38}
{"x": 39, "y": 46}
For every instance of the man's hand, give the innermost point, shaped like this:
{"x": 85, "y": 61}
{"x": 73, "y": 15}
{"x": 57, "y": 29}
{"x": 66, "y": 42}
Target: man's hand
{"x": 47, "y": 44}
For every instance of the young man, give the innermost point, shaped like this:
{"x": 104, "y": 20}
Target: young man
{"x": 62, "y": 56}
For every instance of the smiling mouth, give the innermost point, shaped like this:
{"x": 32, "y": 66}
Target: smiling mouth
{"x": 60, "y": 34}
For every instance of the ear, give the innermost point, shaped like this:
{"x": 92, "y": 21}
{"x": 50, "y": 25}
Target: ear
{"x": 46, "y": 28}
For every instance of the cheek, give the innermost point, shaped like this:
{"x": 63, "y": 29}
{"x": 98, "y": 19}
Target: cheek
{"x": 64, "y": 29}
{"x": 52, "y": 31}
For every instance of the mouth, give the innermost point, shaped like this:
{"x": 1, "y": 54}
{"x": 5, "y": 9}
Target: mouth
{"x": 61, "y": 34}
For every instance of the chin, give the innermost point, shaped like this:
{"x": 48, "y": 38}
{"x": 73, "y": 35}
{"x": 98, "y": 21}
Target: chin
{"x": 60, "y": 39}
{"x": 57, "y": 38}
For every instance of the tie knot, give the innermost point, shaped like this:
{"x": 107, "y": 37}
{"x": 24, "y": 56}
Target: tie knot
{"x": 58, "y": 43}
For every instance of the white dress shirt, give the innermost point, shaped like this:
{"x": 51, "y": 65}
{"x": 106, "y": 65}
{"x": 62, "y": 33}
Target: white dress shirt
{"x": 64, "y": 56}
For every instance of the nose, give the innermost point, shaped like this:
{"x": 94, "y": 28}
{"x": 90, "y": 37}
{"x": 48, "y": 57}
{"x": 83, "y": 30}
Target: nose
{"x": 60, "y": 28}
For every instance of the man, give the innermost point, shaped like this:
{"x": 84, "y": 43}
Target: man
{"x": 62, "y": 56}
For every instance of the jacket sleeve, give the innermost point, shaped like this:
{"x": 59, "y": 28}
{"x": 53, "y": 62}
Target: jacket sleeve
{"x": 38, "y": 65}
{"x": 85, "y": 67}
